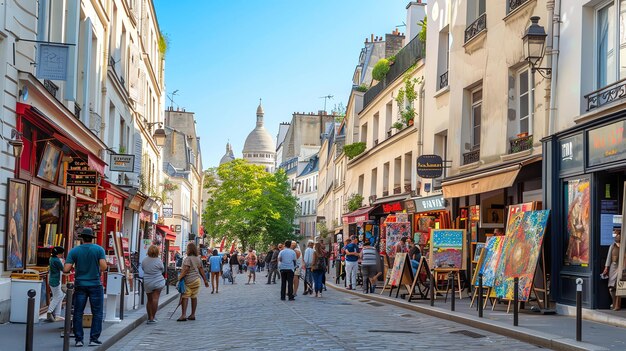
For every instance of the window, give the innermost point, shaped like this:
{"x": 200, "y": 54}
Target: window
{"x": 443, "y": 58}
{"x": 475, "y": 8}
{"x": 523, "y": 102}
{"x": 610, "y": 67}
{"x": 477, "y": 103}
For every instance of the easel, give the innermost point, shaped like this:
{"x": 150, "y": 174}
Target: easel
{"x": 446, "y": 272}
{"x": 540, "y": 272}
{"x": 387, "y": 272}
{"x": 479, "y": 265}
{"x": 423, "y": 265}
{"x": 401, "y": 274}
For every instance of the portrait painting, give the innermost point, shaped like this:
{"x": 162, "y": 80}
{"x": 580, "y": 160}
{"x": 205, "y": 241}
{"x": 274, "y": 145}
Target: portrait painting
{"x": 49, "y": 164}
{"x": 578, "y": 197}
{"x": 16, "y": 220}
{"x": 33, "y": 225}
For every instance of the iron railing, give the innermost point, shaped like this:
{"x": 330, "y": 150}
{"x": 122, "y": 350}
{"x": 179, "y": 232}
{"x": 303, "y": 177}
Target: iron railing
{"x": 397, "y": 190}
{"x": 521, "y": 144}
{"x": 77, "y": 110}
{"x": 477, "y": 27}
{"x": 385, "y": 193}
{"x": 606, "y": 95}
{"x": 514, "y": 4}
{"x": 443, "y": 80}
{"x": 407, "y": 188}
{"x": 471, "y": 157}
{"x": 51, "y": 87}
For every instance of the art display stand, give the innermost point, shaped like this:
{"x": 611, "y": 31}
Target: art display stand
{"x": 539, "y": 273}
{"x": 401, "y": 275}
{"x": 445, "y": 272}
{"x": 422, "y": 285}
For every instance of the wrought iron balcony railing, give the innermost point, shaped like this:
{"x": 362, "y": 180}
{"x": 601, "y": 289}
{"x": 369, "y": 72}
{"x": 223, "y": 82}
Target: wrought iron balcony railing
{"x": 479, "y": 25}
{"x": 521, "y": 144}
{"x": 77, "y": 110}
{"x": 50, "y": 87}
{"x": 443, "y": 80}
{"x": 471, "y": 157}
{"x": 606, "y": 95}
{"x": 397, "y": 190}
{"x": 514, "y": 4}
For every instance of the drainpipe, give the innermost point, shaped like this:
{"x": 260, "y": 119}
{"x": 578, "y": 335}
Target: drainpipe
{"x": 420, "y": 132}
{"x": 554, "y": 64}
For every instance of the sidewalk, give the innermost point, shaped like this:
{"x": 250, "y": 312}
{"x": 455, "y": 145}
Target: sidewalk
{"x": 552, "y": 331}
{"x": 49, "y": 336}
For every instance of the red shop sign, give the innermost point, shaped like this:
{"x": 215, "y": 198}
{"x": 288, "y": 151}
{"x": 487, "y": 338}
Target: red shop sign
{"x": 393, "y": 207}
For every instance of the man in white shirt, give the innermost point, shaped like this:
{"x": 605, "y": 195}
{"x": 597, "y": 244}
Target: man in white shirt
{"x": 286, "y": 266}
{"x": 308, "y": 261}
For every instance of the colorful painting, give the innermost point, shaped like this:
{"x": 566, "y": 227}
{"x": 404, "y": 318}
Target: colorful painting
{"x": 446, "y": 248}
{"x": 395, "y": 231}
{"x": 520, "y": 253}
{"x": 479, "y": 248}
{"x": 16, "y": 220}
{"x": 492, "y": 259}
{"x": 578, "y": 222}
{"x": 34, "y": 196}
{"x": 513, "y": 209}
{"x": 50, "y": 210}
{"x": 49, "y": 165}
{"x": 395, "y": 278}
{"x": 424, "y": 223}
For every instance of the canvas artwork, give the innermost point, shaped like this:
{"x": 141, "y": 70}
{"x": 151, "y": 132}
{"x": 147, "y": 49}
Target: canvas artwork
{"x": 492, "y": 259}
{"x": 395, "y": 231}
{"x": 424, "y": 223}
{"x": 479, "y": 248}
{"x": 446, "y": 248}
{"x": 395, "y": 279}
{"x": 16, "y": 217}
{"x": 513, "y": 209}
{"x": 50, "y": 210}
{"x": 33, "y": 225}
{"x": 578, "y": 222}
{"x": 49, "y": 165}
{"x": 520, "y": 253}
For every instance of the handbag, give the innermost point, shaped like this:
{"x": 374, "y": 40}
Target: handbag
{"x": 181, "y": 286}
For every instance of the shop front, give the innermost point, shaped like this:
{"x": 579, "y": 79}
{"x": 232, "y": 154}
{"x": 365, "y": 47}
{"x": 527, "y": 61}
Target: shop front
{"x": 430, "y": 212}
{"x": 585, "y": 171}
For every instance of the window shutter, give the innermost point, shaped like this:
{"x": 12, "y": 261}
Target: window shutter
{"x": 138, "y": 152}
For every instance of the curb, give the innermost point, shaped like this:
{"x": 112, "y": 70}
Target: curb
{"x": 116, "y": 332}
{"x": 534, "y": 337}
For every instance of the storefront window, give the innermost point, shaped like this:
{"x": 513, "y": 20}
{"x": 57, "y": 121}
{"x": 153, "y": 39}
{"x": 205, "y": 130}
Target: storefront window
{"x": 578, "y": 204}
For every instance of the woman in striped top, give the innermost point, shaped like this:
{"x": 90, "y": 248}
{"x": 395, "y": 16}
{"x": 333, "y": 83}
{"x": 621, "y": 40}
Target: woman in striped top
{"x": 369, "y": 266}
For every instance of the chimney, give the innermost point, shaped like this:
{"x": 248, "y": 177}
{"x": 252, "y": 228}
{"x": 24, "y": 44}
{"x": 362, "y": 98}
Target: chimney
{"x": 415, "y": 13}
{"x": 393, "y": 43}
{"x": 372, "y": 37}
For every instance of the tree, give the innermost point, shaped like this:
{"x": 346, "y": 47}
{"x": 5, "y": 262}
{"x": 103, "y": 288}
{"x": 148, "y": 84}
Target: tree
{"x": 250, "y": 204}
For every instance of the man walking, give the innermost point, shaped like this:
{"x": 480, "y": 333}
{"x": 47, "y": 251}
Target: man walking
{"x": 273, "y": 269}
{"x": 286, "y": 265}
{"x": 352, "y": 266}
{"x": 308, "y": 261}
{"x": 88, "y": 260}
{"x": 251, "y": 264}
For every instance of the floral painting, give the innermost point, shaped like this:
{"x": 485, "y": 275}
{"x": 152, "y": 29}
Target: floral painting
{"x": 578, "y": 222}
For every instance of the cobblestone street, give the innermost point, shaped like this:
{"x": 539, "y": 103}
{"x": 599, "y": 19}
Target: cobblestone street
{"x": 253, "y": 317}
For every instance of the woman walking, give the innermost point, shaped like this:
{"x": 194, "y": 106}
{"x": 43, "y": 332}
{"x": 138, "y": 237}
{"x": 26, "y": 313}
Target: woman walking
{"x": 318, "y": 268}
{"x": 56, "y": 267}
{"x": 369, "y": 266}
{"x": 297, "y": 271}
{"x": 153, "y": 281}
{"x": 215, "y": 263}
{"x": 192, "y": 272}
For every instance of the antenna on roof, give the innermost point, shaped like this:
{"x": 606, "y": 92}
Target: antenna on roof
{"x": 170, "y": 97}
{"x": 401, "y": 25}
{"x": 327, "y": 97}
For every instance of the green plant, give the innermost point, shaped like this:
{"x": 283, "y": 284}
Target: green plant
{"x": 398, "y": 125}
{"x": 362, "y": 88}
{"x": 380, "y": 69}
{"x": 122, "y": 149}
{"x": 422, "y": 33}
{"x": 323, "y": 229}
{"x": 392, "y": 58}
{"x": 355, "y": 201}
{"x": 406, "y": 97}
{"x": 164, "y": 42}
{"x": 355, "y": 149}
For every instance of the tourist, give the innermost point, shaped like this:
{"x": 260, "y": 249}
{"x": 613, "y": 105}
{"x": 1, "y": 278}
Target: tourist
{"x": 352, "y": 265}
{"x": 273, "y": 268}
{"x": 153, "y": 281}
{"x": 415, "y": 255}
{"x": 88, "y": 261}
{"x": 325, "y": 254}
{"x": 369, "y": 266}
{"x": 297, "y": 270}
{"x": 54, "y": 280}
{"x": 401, "y": 246}
{"x": 286, "y": 265}
{"x": 251, "y": 260}
{"x": 318, "y": 268}
{"x": 308, "y": 274}
{"x": 611, "y": 268}
{"x": 234, "y": 262}
{"x": 240, "y": 264}
{"x": 268, "y": 259}
{"x": 215, "y": 262}
{"x": 192, "y": 272}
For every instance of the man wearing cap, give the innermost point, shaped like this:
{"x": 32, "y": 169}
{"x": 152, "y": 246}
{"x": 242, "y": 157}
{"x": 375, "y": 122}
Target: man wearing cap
{"x": 88, "y": 260}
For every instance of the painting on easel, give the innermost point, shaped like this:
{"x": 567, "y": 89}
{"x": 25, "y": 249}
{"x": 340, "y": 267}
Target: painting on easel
{"x": 446, "y": 249}
{"x": 492, "y": 259}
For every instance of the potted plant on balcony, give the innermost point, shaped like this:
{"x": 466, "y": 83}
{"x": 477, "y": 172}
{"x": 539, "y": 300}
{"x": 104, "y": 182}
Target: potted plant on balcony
{"x": 406, "y": 98}
{"x": 355, "y": 149}
{"x": 381, "y": 69}
{"x": 398, "y": 125}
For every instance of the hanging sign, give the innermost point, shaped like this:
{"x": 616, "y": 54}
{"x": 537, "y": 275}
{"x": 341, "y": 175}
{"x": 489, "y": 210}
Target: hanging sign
{"x": 429, "y": 166}
{"x": 122, "y": 163}
{"x": 168, "y": 212}
{"x": 52, "y": 62}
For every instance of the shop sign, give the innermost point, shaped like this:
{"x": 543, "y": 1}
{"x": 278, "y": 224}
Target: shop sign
{"x": 392, "y": 207}
{"x": 115, "y": 204}
{"x": 82, "y": 178}
{"x": 571, "y": 153}
{"x": 52, "y": 61}
{"x": 177, "y": 228}
{"x": 429, "y": 166}
{"x": 432, "y": 203}
{"x": 607, "y": 144}
{"x": 122, "y": 163}
{"x": 168, "y": 212}
{"x": 136, "y": 203}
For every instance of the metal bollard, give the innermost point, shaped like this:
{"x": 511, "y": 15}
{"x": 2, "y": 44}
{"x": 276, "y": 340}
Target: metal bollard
{"x": 579, "y": 309}
{"x": 515, "y": 301}
{"x": 432, "y": 288}
{"x": 167, "y": 283}
{"x": 453, "y": 300}
{"x": 122, "y": 297}
{"x": 30, "y": 319}
{"x": 67, "y": 327}
{"x": 142, "y": 291}
{"x": 480, "y": 295}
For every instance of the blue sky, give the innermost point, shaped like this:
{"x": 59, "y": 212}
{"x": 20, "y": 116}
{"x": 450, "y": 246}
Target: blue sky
{"x": 226, "y": 54}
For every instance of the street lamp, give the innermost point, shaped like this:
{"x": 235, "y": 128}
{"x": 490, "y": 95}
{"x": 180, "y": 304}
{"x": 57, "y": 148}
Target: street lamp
{"x": 534, "y": 46}
{"x": 159, "y": 134}
{"x": 17, "y": 143}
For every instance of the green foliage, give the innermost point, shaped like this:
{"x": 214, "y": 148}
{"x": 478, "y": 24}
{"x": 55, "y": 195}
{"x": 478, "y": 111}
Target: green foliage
{"x": 380, "y": 69}
{"x": 323, "y": 229}
{"x": 391, "y": 58}
{"x": 398, "y": 125}
{"x": 353, "y": 150}
{"x": 168, "y": 189}
{"x": 362, "y": 88}
{"x": 249, "y": 204}
{"x": 422, "y": 33}
{"x": 164, "y": 42}
{"x": 406, "y": 98}
{"x": 355, "y": 201}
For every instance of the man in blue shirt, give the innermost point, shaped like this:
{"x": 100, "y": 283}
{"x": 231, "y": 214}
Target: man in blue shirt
{"x": 286, "y": 266}
{"x": 352, "y": 264}
{"x": 88, "y": 260}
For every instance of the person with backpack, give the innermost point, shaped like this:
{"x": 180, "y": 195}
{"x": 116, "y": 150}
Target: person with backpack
{"x": 318, "y": 268}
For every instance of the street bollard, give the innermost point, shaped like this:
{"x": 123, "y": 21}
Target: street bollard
{"x": 579, "y": 309}
{"x": 432, "y": 288}
{"x": 515, "y": 302}
{"x": 122, "y": 297}
{"x": 453, "y": 301}
{"x": 167, "y": 283}
{"x": 480, "y": 295}
{"x": 30, "y": 319}
{"x": 141, "y": 287}
{"x": 67, "y": 327}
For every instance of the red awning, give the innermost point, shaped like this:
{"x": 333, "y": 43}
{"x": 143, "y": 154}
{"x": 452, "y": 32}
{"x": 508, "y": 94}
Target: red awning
{"x": 358, "y": 216}
{"x": 169, "y": 235}
{"x": 174, "y": 248}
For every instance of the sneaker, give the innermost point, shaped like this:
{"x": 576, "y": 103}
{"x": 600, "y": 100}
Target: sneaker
{"x": 50, "y": 317}
{"x": 79, "y": 343}
{"x": 58, "y": 319}
{"x": 151, "y": 321}
{"x": 95, "y": 342}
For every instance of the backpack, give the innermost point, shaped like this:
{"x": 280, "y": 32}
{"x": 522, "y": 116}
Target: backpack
{"x": 321, "y": 263}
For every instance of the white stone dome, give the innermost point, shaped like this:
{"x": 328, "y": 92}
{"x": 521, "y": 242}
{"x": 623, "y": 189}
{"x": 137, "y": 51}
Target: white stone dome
{"x": 259, "y": 140}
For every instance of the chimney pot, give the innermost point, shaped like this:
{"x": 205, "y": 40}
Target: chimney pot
{"x": 372, "y": 37}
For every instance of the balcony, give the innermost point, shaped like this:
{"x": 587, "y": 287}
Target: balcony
{"x": 515, "y": 4}
{"x": 77, "y": 110}
{"x": 477, "y": 27}
{"x": 443, "y": 80}
{"x": 407, "y": 188}
{"x": 471, "y": 157}
{"x": 606, "y": 95}
{"x": 521, "y": 143}
{"x": 385, "y": 193}
{"x": 397, "y": 190}
{"x": 50, "y": 87}
{"x": 405, "y": 58}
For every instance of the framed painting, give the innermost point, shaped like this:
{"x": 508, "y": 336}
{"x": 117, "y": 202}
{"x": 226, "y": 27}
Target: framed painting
{"x": 16, "y": 225}
{"x": 578, "y": 205}
{"x": 446, "y": 248}
{"x": 49, "y": 165}
{"x": 32, "y": 232}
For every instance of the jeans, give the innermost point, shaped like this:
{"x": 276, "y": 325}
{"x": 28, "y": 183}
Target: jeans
{"x": 272, "y": 272}
{"x": 286, "y": 284}
{"x": 352, "y": 267}
{"x": 96, "y": 301}
{"x": 308, "y": 280}
{"x": 57, "y": 299}
{"x": 318, "y": 274}
{"x": 414, "y": 264}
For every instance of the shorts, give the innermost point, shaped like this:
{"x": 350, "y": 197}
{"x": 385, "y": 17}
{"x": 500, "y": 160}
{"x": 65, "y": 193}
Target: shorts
{"x": 151, "y": 286}
{"x": 192, "y": 289}
{"x": 369, "y": 271}
{"x": 297, "y": 272}
{"x": 251, "y": 270}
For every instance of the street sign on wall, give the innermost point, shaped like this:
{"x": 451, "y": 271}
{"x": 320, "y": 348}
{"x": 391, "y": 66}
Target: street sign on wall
{"x": 122, "y": 163}
{"x": 429, "y": 166}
